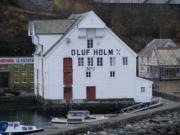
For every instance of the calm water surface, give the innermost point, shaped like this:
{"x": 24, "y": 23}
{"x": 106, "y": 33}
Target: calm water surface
{"x": 28, "y": 117}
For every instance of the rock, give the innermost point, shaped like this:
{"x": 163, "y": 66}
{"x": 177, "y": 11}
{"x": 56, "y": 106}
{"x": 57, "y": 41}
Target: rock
{"x": 170, "y": 122}
{"x": 9, "y": 94}
{"x": 102, "y": 133}
{"x": 159, "y": 120}
{"x": 128, "y": 126}
{"x": 142, "y": 131}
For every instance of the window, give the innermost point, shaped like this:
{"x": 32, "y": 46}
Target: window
{"x": 67, "y": 89}
{"x": 99, "y": 61}
{"x": 148, "y": 59}
{"x": 112, "y": 73}
{"x": 16, "y": 77}
{"x": 148, "y": 69}
{"x": 24, "y": 77}
{"x": 67, "y": 92}
{"x": 142, "y": 89}
{"x": 112, "y": 61}
{"x": 142, "y": 67}
{"x": 16, "y": 73}
{"x": 16, "y": 68}
{"x": 31, "y": 77}
{"x": 4, "y": 68}
{"x": 1, "y": 67}
{"x": 90, "y": 61}
{"x": 142, "y": 60}
{"x": 24, "y": 68}
{"x": 80, "y": 61}
{"x": 90, "y": 43}
{"x": 125, "y": 60}
{"x": 24, "y": 74}
{"x": 88, "y": 74}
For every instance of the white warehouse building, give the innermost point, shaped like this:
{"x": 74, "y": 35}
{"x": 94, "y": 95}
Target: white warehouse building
{"x": 81, "y": 58}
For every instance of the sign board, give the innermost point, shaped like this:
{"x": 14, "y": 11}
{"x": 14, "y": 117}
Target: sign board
{"x": 20, "y": 60}
{"x": 95, "y": 52}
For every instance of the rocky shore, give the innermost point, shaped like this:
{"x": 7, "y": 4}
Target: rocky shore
{"x": 164, "y": 124}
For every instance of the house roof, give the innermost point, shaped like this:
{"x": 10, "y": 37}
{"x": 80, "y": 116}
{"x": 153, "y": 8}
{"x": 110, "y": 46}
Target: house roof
{"x": 168, "y": 56}
{"x": 77, "y": 18}
{"x": 155, "y": 43}
{"x": 52, "y": 26}
{"x": 66, "y": 26}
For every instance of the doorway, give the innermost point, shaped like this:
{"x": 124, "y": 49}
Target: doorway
{"x": 4, "y": 79}
{"x": 91, "y": 92}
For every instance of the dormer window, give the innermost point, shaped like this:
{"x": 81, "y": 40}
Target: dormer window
{"x": 90, "y": 43}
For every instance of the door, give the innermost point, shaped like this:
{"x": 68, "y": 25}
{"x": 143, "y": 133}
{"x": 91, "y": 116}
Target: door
{"x": 67, "y": 92}
{"x": 67, "y": 73}
{"x": 4, "y": 79}
{"x": 91, "y": 92}
{"x": 67, "y": 69}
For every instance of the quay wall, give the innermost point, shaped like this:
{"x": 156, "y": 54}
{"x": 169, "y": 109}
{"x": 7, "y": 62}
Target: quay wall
{"x": 18, "y": 103}
{"x": 170, "y": 96}
{"x": 56, "y": 107}
{"x": 114, "y": 122}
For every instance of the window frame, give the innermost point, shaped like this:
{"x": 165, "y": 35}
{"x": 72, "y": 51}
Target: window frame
{"x": 143, "y": 89}
{"x": 112, "y": 61}
{"x": 90, "y": 43}
{"x": 24, "y": 73}
{"x": 88, "y": 74}
{"x": 99, "y": 61}
{"x": 125, "y": 61}
{"x": 112, "y": 73}
{"x": 90, "y": 61}
{"x": 80, "y": 61}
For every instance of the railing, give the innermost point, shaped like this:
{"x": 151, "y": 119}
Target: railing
{"x": 142, "y": 106}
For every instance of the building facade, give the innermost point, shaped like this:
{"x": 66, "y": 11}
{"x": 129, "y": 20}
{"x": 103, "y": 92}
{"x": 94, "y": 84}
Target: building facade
{"x": 160, "y": 61}
{"x": 81, "y": 58}
{"x": 17, "y": 72}
{"x": 148, "y": 58}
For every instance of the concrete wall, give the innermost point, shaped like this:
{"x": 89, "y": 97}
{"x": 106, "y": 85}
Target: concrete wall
{"x": 167, "y": 95}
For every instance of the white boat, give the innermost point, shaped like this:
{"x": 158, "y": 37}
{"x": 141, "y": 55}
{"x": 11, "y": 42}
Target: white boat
{"x": 77, "y": 117}
{"x": 16, "y": 128}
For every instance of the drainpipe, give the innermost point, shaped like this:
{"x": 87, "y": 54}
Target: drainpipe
{"x": 34, "y": 34}
{"x": 42, "y": 67}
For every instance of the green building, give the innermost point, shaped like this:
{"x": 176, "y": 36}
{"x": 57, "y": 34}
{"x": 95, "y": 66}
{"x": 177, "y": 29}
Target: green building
{"x": 17, "y": 73}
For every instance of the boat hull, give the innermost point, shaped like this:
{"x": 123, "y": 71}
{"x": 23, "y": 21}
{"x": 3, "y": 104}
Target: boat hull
{"x": 66, "y": 121}
{"x": 23, "y": 132}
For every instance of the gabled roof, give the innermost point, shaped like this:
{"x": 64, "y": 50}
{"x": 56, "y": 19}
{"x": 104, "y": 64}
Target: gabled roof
{"x": 155, "y": 43}
{"x": 52, "y": 26}
{"x": 66, "y": 26}
{"x": 78, "y": 18}
{"x": 56, "y": 26}
{"x": 168, "y": 56}
{"x": 161, "y": 43}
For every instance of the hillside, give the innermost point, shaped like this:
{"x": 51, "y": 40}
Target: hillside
{"x": 135, "y": 24}
{"x": 14, "y": 40}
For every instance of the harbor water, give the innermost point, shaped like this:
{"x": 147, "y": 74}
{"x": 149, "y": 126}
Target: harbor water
{"x": 28, "y": 117}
